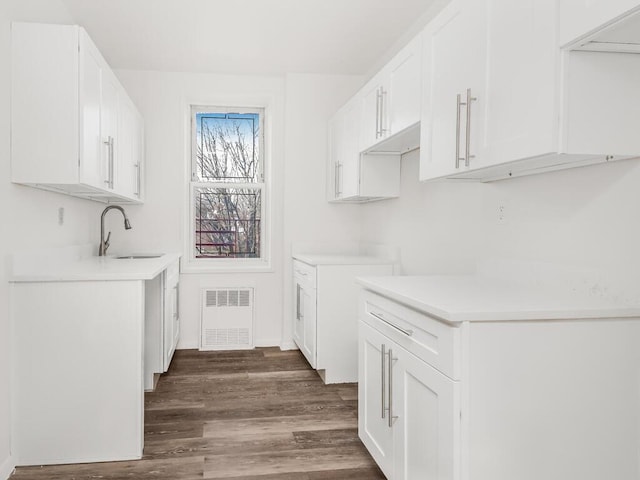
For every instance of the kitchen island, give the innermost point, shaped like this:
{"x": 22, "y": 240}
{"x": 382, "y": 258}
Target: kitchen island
{"x": 466, "y": 377}
{"x": 78, "y": 359}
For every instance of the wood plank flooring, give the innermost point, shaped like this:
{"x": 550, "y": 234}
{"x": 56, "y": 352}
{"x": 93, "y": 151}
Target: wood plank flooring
{"x": 261, "y": 414}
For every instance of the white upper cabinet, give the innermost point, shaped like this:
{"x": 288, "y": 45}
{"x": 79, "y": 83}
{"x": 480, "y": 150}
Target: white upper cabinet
{"x": 74, "y": 130}
{"x": 109, "y": 137}
{"x": 345, "y": 154}
{"x": 582, "y": 17}
{"x": 356, "y": 177}
{"x": 391, "y": 103}
{"x": 130, "y": 149}
{"x": 370, "y": 132}
{"x": 375, "y": 100}
{"x": 405, "y": 87}
{"x": 454, "y": 53}
{"x": 532, "y": 107}
{"x": 518, "y": 114}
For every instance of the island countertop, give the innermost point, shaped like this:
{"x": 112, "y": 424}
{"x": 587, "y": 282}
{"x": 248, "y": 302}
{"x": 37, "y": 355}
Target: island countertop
{"x": 459, "y": 298}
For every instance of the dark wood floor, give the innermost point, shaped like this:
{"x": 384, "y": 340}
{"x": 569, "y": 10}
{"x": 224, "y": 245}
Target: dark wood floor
{"x": 253, "y": 415}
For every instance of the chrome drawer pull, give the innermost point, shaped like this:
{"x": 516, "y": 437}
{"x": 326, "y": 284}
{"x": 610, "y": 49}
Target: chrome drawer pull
{"x": 379, "y": 316}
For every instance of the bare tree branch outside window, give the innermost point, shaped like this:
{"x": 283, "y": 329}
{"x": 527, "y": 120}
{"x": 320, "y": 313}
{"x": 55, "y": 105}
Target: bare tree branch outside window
{"x": 228, "y": 207}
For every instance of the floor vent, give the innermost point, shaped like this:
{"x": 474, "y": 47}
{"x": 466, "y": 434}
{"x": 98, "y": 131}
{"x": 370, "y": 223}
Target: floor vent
{"x": 226, "y": 319}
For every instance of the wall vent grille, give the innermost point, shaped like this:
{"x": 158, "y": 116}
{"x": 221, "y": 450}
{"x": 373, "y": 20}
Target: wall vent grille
{"x": 227, "y": 319}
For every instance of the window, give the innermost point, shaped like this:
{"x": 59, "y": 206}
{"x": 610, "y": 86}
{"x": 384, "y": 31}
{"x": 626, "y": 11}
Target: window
{"x": 227, "y": 186}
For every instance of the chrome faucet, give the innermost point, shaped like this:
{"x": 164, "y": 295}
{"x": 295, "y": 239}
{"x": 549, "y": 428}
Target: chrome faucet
{"x": 104, "y": 244}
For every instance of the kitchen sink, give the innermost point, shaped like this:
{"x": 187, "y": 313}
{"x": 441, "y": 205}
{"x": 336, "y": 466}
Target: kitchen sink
{"x": 155, "y": 255}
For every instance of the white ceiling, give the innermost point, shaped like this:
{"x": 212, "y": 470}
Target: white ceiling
{"x": 249, "y": 36}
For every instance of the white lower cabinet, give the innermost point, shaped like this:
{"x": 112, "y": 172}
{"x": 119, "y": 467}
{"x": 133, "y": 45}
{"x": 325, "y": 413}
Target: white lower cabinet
{"x": 171, "y": 315}
{"x": 78, "y": 366}
{"x": 427, "y": 412}
{"x": 408, "y": 411}
{"x": 305, "y": 314}
{"x": 81, "y": 333}
{"x": 512, "y": 398}
{"x": 325, "y": 312}
{"x": 373, "y": 395}
{"x": 162, "y": 322}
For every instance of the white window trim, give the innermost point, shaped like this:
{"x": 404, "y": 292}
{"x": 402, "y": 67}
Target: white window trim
{"x": 190, "y": 264}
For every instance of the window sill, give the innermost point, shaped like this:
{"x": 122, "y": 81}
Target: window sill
{"x": 205, "y": 267}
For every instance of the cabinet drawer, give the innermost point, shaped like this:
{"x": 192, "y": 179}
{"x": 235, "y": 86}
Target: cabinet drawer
{"x": 429, "y": 339}
{"x": 304, "y": 274}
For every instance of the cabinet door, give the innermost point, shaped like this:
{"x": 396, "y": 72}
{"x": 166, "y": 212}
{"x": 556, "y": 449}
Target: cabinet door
{"x": 91, "y": 146}
{"x": 345, "y": 154}
{"x": 375, "y": 102}
{"x": 453, "y": 60}
{"x": 129, "y": 153}
{"x": 171, "y": 322}
{"x": 176, "y": 315}
{"x": 518, "y": 109}
{"x": 298, "y": 314}
{"x": 333, "y": 175}
{"x": 426, "y": 430}
{"x": 109, "y": 127}
{"x": 373, "y": 391}
{"x": 349, "y": 172}
{"x": 405, "y": 86}
{"x": 309, "y": 319}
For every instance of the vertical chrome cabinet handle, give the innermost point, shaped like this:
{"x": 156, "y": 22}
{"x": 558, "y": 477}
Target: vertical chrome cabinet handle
{"x": 111, "y": 148}
{"x": 378, "y": 98}
{"x": 110, "y": 162}
{"x": 335, "y": 180}
{"x": 467, "y": 155}
{"x": 391, "y": 416}
{"x": 137, "y": 192}
{"x": 458, "y": 105}
{"x": 297, "y": 301}
{"x": 176, "y": 314}
{"x": 383, "y": 94}
{"x": 340, "y": 179}
{"x": 107, "y": 142}
{"x": 383, "y": 355}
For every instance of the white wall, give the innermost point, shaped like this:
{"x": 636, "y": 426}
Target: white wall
{"x": 301, "y": 106}
{"x": 582, "y": 223}
{"x": 160, "y": 224}
{"x": 309, "y": 219}
{"x": 29, "y": 216}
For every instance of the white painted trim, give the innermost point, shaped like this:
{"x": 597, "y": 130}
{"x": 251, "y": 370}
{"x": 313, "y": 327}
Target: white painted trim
{"x": 288, "y": 346}
{"x": 7, "y": 468}
{"x": 266, "y": 103}
{"x": 267, "y": 342}
{"x": 259, "y": 343}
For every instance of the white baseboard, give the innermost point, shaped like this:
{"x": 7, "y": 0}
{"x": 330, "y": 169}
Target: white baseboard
{"x": 267, "y": 342}
{"x": 6, "y": 468}
{"x": 258, "y": 343}
{"x": 288, "y": 346}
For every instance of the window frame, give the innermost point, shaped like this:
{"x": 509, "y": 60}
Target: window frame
{"x": 262, "y": 263}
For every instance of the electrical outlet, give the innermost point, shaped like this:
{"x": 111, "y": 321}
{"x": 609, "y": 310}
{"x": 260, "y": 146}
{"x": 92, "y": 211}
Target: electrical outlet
{"x": 61, "y": 216}
{"x": 502, "y": 213}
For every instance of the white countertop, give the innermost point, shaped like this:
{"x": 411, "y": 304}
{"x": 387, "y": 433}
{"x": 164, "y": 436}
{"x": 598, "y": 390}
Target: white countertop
{"x": 471, "y": 298}
{"x": 340, "y": 259}
{"x": 92, "y": 268}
